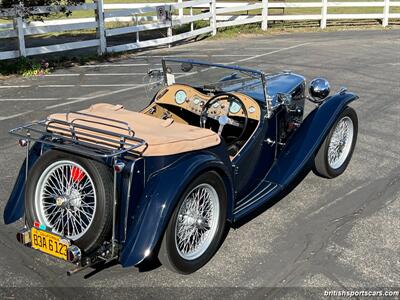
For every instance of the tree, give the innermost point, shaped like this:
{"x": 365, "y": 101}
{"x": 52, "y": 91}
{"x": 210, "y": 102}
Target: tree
{"x": 27, "y": 8}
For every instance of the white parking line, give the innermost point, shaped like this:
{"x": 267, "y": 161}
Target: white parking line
{"x": 181, "y": 56}
{"x": 230, "y": 55}
{"x": 117, "y": 65}
{"x": 16, "y": 115}
{"x": 192, "y": 49}
{"x": 56, "y": 85}
{"x": 67, "y": 103}
{"x": 272, "y": 52}
{"x": 60, "y": 75}
{"x": 194, "y": 55}
{"x": 107, "y": 85}
{"x": 114, "y": 74}
{"x": 122, "y": 74}
{"x": 68, "y": 86}
{"x": 81, "y": 99}
{"x": 147, "y": 84}
{"x": 13, "y": 86}
{"x": 28, "y": 99}
{"x": 264, "y": 48}
{"x": 131, "y": 65}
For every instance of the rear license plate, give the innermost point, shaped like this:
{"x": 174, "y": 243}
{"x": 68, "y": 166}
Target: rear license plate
{"x": 49, "y": 243}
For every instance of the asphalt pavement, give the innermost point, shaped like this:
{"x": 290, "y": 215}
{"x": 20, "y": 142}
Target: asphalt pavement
{"x": 329, "y": 234}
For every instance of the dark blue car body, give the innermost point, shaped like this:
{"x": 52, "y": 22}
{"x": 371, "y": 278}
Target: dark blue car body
{"x": 261, "y": 174}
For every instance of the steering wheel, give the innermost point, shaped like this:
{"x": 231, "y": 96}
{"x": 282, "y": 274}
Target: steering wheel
{"x": 224, "y": 118}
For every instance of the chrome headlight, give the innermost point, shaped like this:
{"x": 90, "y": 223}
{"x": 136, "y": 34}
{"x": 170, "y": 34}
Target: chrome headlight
{"x": 319, "y": 89}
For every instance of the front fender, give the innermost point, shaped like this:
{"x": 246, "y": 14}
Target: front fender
{"x": 160, "y": 197}
{"x": 15, "y": 206}
{"x": 297, "y": 157}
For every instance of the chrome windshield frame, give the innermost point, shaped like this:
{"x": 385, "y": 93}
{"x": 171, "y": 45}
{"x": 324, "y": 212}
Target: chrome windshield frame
{"x": 267, "y": 100}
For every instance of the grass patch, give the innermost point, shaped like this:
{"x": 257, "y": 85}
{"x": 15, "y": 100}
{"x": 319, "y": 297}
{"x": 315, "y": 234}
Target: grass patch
{"x": 23, "y": 66}
{"x": 27, "y": 66}
{"x": 295, "y": 26}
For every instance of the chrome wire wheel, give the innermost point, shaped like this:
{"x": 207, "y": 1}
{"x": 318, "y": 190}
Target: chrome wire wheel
{"x": 341, "y": 142}
{"x": 65, "y": 199}
{"x": 197, "y": 221}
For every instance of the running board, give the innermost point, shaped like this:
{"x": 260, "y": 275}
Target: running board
{"x": 261, "y": 194}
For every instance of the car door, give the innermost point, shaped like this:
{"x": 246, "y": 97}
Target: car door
{"x": 255, "y": 159}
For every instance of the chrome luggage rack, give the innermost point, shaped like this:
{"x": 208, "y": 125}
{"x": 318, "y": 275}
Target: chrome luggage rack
{"x": 90, "y": 141}
{"x": 81, "y": 137}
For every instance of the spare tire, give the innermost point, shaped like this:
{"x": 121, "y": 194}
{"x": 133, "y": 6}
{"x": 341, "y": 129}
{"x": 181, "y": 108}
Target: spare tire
{"x": 72, "y": 196}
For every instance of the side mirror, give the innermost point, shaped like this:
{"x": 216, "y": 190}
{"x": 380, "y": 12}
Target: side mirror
{"x": 232, "y": 76}
{"x": 186, "y": 67}
{"x": 155, "y": 73}
{"x": 319, "y": 89}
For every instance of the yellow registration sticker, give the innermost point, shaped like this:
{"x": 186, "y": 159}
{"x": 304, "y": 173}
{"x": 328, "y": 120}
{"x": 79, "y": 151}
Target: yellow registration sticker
{"x": 49, "y": 243}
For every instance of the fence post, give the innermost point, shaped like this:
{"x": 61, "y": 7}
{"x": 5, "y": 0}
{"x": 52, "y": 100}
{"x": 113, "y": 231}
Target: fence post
{"x": 100, "y": 33}
{"x": 213, "y": 18}
{"x": 137, "y": 32}
{"x": 324, "y": 13}
{"x": 169, "y": 34}
{"x": 169, "y": 29}
{"x": 19, "y": 26}
{"x": 180, "y": 10}
{"x": 264, "y": 23}
{"x": 191, "y": 23}
{"x": 386, "y": 8}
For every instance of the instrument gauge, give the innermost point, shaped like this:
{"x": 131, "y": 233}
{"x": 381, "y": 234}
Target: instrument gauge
{"x": 215, "y": 105}
{"x": 252, "y": 109}
{"x": 180, "y": 97}
{"x": 196, "y": 101}
{"x": 234, "y": 108}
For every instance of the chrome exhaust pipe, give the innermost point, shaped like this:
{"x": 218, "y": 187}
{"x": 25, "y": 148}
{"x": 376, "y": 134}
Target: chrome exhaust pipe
{"x": 74, "y": 254}
{"x": 24, "y": 237}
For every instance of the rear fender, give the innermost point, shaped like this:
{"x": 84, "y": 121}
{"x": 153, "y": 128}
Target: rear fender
{"x": 296, "y": 159}
{"x": 159, "y": 199}
{"x": 15, "y": 206}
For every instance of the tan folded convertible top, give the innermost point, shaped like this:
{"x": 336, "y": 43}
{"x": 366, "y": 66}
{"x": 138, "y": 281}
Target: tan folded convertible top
{"x": 164, "y": 137}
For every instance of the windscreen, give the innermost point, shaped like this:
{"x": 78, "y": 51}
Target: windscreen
{"x": 208, "y": 76}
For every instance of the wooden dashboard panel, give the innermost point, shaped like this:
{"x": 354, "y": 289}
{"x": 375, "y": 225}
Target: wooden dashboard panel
{"x": 194, "y": 99}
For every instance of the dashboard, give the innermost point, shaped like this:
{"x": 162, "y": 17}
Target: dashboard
{"x": 188, "y": 98}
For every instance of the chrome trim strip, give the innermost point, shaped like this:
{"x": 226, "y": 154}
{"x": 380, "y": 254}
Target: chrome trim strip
{"x": 128, "y": 200}
{"x": 26, "y": 169}
{"x": 250, "y": 201}
{"x": 114, "y": 212}
{"x": 261, "y": 191}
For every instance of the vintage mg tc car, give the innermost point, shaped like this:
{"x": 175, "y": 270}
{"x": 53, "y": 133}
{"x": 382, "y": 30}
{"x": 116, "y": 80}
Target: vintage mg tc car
{"x": 215, "y": 147}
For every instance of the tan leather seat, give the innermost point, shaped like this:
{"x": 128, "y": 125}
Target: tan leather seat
{"x": 164, "y": 137}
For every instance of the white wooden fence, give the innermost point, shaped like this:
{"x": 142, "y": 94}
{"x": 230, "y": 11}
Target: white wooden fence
{"x": 142, "y": 17}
